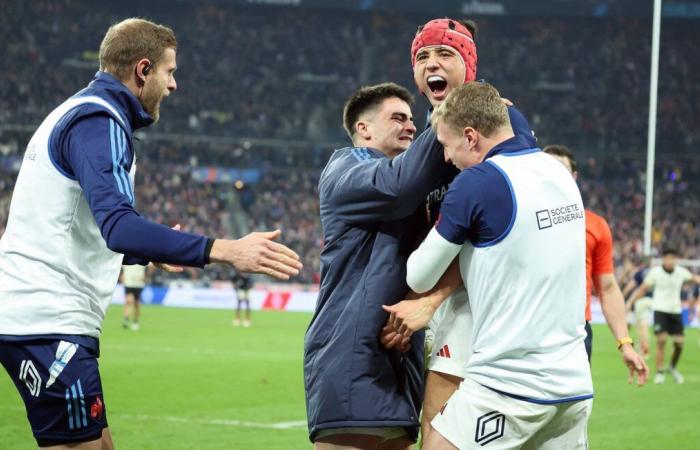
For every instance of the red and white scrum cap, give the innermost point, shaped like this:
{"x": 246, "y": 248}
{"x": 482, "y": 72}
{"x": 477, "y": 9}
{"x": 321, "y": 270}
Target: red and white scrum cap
{"x": 452, "y": 34}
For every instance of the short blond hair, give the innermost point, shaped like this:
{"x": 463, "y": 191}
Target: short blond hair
{"x": 133, "y": 39}
{"x": 477, "y": 105}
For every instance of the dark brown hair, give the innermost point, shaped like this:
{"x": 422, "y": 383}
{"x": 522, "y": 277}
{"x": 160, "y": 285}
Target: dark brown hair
{"x": 370, "y": 97}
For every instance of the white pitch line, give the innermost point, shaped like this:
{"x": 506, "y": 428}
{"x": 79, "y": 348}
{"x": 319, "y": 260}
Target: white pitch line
{"x": 291, "y": 425}
{"x": 297, "y": 424}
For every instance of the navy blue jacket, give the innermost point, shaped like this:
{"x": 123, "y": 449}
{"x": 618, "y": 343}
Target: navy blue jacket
{"x": 90, "y": 145}
{"x": 370, "y": 217}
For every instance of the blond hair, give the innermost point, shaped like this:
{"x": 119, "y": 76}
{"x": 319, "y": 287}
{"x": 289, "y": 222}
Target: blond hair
{"x": 129, "y": 41}
{"x": 477, "y": 105}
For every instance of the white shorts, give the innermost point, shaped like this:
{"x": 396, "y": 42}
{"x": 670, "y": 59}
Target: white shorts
{"x": 452, "y": 327}
{"x": 643, "y": 310}
{"x": 475, "y": 416}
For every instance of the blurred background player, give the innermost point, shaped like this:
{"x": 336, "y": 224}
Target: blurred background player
{"x": 133, "y": 278}
{"x": 667, "y": 281}
{"x": 242, "y": 283}
{"x": 600, "y": 275}
{"x": 72, "y": 225}
{"x": 643, "y": 310}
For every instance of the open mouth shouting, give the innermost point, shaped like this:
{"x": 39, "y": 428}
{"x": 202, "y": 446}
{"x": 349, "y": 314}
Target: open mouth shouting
{"x": 437, "y": 86}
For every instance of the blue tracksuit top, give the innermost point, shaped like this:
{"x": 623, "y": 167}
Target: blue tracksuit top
{"x": 81, "y": 148}
{"x": 371, "y": 222}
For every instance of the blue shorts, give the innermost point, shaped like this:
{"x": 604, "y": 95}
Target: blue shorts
{"x": 59, "y": 381}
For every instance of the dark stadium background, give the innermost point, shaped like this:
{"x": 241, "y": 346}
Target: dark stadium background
{"x": 240, "y": 146}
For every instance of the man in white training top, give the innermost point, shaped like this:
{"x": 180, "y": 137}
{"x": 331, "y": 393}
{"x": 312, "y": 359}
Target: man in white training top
{"x": 516, "y": 220}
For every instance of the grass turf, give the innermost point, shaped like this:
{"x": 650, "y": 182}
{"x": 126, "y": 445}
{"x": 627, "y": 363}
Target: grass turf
{"x": 189, "y": 380}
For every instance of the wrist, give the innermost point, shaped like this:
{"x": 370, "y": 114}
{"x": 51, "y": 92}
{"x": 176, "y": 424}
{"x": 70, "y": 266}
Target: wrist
{"x": 434, "y": 301}
{"x": 219, "y": 249}
{"x": 624, "y": 341}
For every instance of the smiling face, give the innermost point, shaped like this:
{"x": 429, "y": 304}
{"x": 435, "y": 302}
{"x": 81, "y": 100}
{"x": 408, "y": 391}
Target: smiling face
{"x": 438, "y": 70}
{"x": 389, "y": 127}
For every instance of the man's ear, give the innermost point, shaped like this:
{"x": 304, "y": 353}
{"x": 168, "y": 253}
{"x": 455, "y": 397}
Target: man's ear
{"x": 362, "y": 129}
{"x": 472, "y": 137}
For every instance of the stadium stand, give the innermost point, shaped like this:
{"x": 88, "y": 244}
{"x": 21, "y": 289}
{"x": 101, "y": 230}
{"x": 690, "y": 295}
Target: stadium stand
{"x": 278, "y": 109}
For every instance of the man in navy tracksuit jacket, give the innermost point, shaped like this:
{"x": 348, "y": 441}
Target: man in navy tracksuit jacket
{"x": 72, "y": 224}
{"x": 370, "y": 218}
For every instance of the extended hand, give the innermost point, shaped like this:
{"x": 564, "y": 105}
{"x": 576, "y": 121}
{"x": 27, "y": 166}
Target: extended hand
{"x": 636, "y": 365}
{"x": 409, "y": 316}
{"x": 257, "y": 252}
{"x": 390, "y": 339}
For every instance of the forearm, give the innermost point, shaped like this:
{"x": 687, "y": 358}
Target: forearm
{"x": 426, "y": 265}
{"x": 384, "y": 189}
{"x": 132, "y": 235}
{"x": 613, "y": 306}
{"x": 639, "y": 293}
{"x": 450, "y": 281}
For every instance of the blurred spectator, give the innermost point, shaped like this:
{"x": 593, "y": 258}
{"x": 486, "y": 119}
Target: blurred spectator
{"x": 263, "y": 87}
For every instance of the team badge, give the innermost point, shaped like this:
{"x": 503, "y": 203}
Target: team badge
{"x": 97, "y": 409}
{"x": 30, "y": 376}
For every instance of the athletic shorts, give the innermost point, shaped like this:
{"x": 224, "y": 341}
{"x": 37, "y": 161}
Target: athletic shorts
{"x": 476, "y": 417}
{"x": 452, "y": 340}
{"x": 136, "y": 291}
{"x": 386, "y": 434}
{"x": 242, "y": 295}
{"x": 643, "y": 310}
{"x": 60, "y": 384}
{"x": 668, "y": 323}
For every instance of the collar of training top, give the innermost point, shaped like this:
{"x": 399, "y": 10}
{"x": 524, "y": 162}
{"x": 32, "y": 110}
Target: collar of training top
{"x": 126, "y": 101}
{"x": 515, "y": 145}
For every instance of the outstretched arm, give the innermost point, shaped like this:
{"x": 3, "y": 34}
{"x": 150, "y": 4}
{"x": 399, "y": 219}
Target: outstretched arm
{"x": 93, "y": 152}
{"x": 362, "y": 187}
{"x": 613, "y": 306}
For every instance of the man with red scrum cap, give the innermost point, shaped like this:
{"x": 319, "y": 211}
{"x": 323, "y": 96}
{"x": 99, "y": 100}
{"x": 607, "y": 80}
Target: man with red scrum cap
{"x": 443, "y": 57}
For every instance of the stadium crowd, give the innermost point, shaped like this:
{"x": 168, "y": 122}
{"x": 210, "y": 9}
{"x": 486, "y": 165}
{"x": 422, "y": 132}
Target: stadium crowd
{"x": 268, "y": 96}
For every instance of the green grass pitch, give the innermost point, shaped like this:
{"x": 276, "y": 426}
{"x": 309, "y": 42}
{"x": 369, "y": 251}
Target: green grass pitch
{"x": 189, "y": 380}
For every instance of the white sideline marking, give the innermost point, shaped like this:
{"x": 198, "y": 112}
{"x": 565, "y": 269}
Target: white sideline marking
{"x": 291, "y": 425}
{"x": 225, "y": 422}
